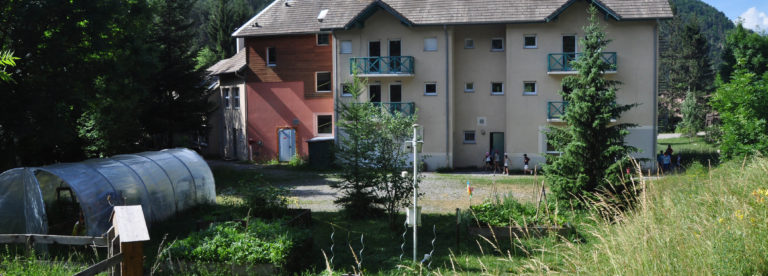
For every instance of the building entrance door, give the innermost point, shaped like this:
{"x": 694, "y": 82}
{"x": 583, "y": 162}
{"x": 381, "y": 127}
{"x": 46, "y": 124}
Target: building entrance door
{"x": 394, "y": 56}
{"x": 287, "y": 144}
{"x": 374, "y": 93}
{"x": 497, "y": 144}
{"x": 374, "y": 52}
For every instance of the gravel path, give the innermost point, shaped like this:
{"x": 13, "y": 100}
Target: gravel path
{"x": 443, "y": 193}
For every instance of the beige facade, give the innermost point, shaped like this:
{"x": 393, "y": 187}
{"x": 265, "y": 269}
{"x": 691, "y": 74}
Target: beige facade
{"x": 522, "y": 118}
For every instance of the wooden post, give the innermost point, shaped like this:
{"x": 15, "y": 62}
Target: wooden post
{"x": 458, "y": 222}
{"x": 131, "y": 229}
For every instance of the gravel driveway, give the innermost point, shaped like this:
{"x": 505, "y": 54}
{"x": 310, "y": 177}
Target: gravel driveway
{"x": 443, "y": 193}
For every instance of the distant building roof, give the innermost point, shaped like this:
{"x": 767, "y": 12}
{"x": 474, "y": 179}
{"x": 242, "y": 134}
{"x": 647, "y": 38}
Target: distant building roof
{"x": 301, "y": 16}
{"x": 230, "y": 65}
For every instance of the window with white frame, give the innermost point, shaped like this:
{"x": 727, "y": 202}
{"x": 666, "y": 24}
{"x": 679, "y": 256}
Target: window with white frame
{"x": 497, "y": 88}
{"x": 346, "y": 90}
{"x": 236, "y": 97}
{"x": 529, "y": 88}
{"x": 225, "y": 91}
{"x": 323, "y": 39}
{"x": 430, "y": 89}
{"x": 469, "y": 43}
{"x": 530, "y": 41}
{"x": 469, "y": 137}
{"x": 271, "y": 56}
{"x": 430, "y": 44}
{"x": 323, "y": 81}
{"x": 497, "y": 44}
{"x": 469, "y": 87}
{"x": 346, "y": 47}
{"x": 324, "y": 124}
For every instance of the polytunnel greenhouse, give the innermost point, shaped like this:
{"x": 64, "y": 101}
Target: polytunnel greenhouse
{"x": 51, "y": 199}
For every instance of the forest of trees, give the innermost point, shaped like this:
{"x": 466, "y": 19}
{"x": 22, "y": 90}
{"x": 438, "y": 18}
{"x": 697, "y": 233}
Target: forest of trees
{"x": 96, "y": 78}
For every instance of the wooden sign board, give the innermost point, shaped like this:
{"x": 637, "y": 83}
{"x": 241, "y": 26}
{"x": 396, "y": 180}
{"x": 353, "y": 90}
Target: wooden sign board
{"x": 129, "y": 224}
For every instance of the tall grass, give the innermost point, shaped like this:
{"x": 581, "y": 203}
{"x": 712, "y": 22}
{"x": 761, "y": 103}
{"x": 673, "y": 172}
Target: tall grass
{"x": 703, "y": 222}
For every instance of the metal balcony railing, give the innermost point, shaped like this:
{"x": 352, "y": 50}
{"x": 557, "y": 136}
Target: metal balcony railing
{"x": 394, "y": 65}
{"x": 561, "y": 62}
{"x": 556, "y": 110}
{"x": 408, "y": 108}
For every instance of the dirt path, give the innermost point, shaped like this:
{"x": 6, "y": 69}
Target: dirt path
{"x": 443, "y": 193}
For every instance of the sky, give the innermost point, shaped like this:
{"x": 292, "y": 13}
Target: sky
{"x": 753, "y": 12}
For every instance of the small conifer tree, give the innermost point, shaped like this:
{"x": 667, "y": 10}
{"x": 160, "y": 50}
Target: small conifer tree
{"x": 592, "y": 146}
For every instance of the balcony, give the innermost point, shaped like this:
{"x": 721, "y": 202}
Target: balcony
{"x": 404, "y": 108}
{"x": 560, "y": 63}
{"x": 395, "y": 66}
{"x": 556, "y": 111}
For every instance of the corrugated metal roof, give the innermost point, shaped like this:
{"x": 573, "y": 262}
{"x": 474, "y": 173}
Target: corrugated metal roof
{"x": 300, "y": 16}
{"x": 230, "y": 65}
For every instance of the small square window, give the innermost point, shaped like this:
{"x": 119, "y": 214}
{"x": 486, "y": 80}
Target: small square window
{"x": 529, "y": 41}
{"x": 497, "y": 88}
{"x": 236, "y": 97}
{"x": 225, "y": 91}
{"x": 497, "y": 44}
{"x": 469, "y": 87}
{"x": 271, "y": 56}
{"x": 430, "y": 89}
{"x": 529, "y": 88}
{"x": 469, "y": 43}
{"x": 346, "y": 47}
{"x": 469, "y": 137}
{"x": 323, "y": 39}
{"x": 323, "y": 80}
{"x": 430, "y": 44}
{"x": 324, "y": 124}
{"x": 346, "y": 90}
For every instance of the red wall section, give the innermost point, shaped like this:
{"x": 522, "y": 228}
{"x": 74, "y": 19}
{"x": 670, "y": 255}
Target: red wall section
{"x": 298, "y": 58}
{"x": 274, "y": 105}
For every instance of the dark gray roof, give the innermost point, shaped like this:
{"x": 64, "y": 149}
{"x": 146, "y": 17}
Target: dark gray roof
{"x": 230, "y": 65}
{"x": 300, "y": 16}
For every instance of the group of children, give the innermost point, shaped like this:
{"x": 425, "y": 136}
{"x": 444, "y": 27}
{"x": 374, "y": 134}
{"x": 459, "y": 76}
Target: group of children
{"x": 665, "y": 159}
{"x": 493, "y": 162}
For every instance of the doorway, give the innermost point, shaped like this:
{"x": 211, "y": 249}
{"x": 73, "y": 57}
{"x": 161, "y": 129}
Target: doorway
{"x": 374, "y": 52}
{"x": 569, "y": 49}
{"x": 395, "y": 97}
{"x": 286, "y": 144}
{"x": 234, "y": 143}
{"x": 374, "y": 93}
{"x": 394, "y": 56}
{"x": 497, "y": 144}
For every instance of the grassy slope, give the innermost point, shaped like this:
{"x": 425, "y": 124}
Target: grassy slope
{"x": 697, "y": 223}
{"x": 692, "y": 150}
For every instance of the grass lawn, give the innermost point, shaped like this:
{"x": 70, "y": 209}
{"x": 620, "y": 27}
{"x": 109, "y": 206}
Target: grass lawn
{"x": 692, "y": 150}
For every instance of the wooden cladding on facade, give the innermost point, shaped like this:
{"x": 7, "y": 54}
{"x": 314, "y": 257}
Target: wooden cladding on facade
{"x": 296, "y": 58}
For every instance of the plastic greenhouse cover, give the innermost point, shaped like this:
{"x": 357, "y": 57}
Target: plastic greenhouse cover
{"x": 162, "y": 182}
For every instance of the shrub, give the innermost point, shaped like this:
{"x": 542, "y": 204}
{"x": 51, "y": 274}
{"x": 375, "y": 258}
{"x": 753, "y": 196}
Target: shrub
{"x": 230, "y": 242}
{"x": 510, "y": 212}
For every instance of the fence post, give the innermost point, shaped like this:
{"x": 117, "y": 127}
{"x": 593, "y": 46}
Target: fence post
{"x": 131, "y": 229}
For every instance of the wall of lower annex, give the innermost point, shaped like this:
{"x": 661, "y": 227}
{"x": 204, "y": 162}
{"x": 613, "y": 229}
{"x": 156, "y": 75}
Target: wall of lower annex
{"x": 285, "y": 95}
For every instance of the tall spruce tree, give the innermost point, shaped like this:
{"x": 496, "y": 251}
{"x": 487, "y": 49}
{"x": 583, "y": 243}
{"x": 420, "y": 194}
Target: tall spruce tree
{"x": 179, "y": 104}
{"x": 593, "y": 148}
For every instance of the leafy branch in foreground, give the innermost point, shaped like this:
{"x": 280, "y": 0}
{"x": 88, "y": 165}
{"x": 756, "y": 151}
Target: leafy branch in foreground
{"x": 6, "y": 59}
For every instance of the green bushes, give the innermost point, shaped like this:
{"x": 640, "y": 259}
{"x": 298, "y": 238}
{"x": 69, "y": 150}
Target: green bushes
{"x": 230, "y": 242}
{"x": 509, "y": 212}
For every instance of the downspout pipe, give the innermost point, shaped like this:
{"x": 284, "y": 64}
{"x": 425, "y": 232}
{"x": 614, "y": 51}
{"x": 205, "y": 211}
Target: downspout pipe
{"x": 447, "y": 98}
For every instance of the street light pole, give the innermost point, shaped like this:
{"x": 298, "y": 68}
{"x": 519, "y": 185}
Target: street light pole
{"x": 415, "y": 189}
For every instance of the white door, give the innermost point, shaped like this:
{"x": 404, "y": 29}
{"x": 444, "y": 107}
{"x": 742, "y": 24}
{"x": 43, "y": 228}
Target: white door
{"x": 287, "y": 144}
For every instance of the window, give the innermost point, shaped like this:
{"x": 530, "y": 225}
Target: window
{"x": 346, "y": 90}
{"x": 529, "y": 41}
{"x": 271, "y": 56}
{"x": 529, "y": 88}
{"x": 323, "y": 39}
{"x": 430, "y": 89}
{"x": 497, "y": 88}
{"x": 430, "y": 44}
{"x": 497, "y": 44}
{"x": 236, "y": 97}
{"x": 346, "y": 46}
{"x": 225, "y": 91}
{"x": 323, "y": 81}
{"x": 324, "y": 124}
{"x": 469, "y": 43}
{"x": 469, "y": 137}
{"x": 469, "y": 87}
